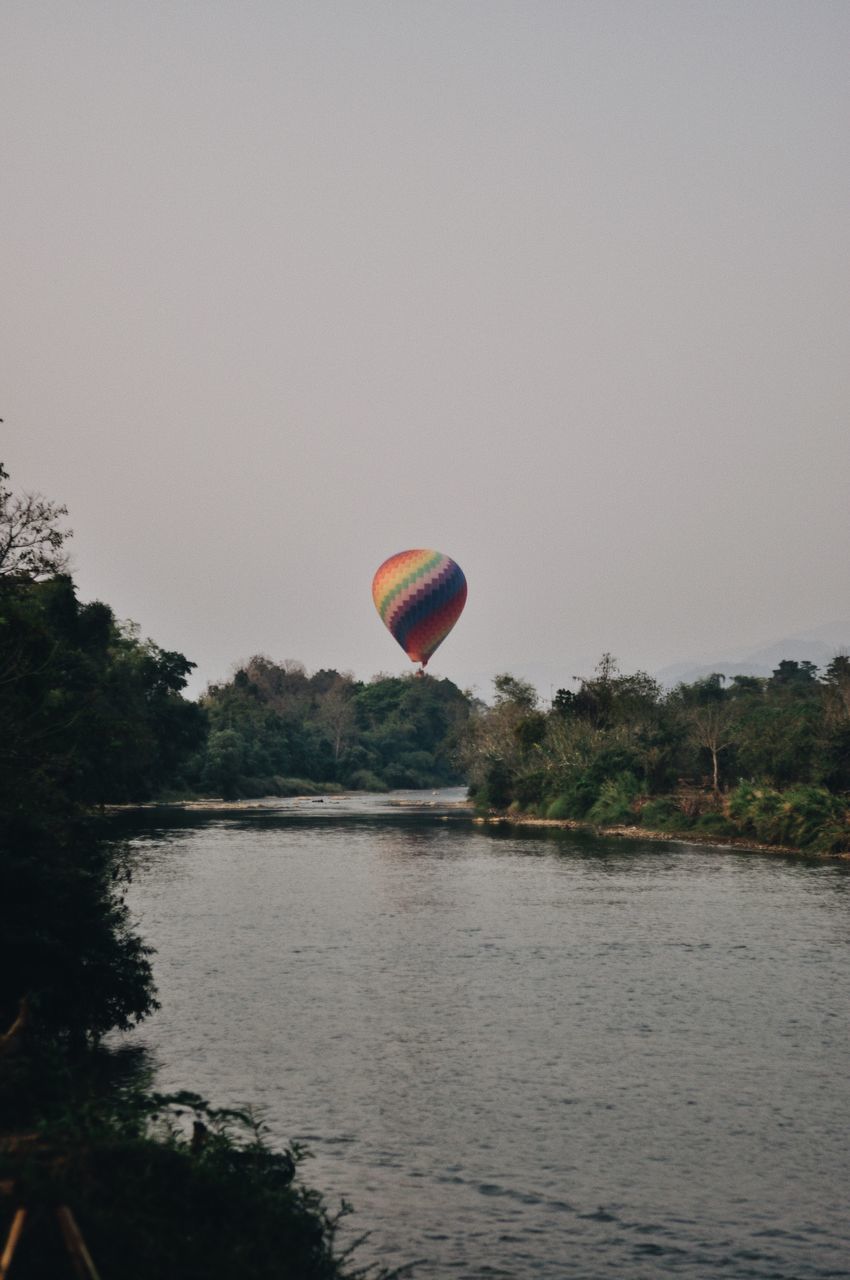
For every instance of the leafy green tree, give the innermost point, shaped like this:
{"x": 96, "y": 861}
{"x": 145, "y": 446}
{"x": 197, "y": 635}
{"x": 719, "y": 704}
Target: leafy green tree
{"x": 514, "y": 692}
{"x": 611, "y": 698}
{"x": 411, "y": 728}
{"x": 88, "y": 714}
{"x": 286, "y": 730}
{"x": 779, "y": 729}
{"x": 501, "y": 749}
{"x": 223, "y": 763}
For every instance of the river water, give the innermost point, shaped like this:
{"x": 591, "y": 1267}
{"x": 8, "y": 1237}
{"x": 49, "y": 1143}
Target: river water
{"x": 518, "y": 1053}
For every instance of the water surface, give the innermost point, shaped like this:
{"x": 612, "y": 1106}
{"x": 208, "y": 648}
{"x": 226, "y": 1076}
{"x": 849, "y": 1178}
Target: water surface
{"x": 526, "y": 1053}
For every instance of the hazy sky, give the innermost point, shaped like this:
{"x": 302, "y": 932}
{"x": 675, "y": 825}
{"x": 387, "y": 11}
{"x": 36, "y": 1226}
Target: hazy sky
{"x": 560, "y": 289}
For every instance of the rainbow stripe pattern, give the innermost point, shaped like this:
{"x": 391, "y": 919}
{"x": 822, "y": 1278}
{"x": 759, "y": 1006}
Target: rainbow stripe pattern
{"x": 420, "y": 596}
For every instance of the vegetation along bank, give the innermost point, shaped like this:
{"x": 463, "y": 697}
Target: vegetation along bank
{"x": 761, "y": 760}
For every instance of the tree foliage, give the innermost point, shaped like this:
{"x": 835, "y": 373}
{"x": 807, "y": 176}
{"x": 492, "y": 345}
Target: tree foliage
{"x": 619, "y": 746}
{"x": 92, "y": 713}
{"x": 88, "y": 714}
{"x": 31, "y": 535}
{"x": 273, "y": 729}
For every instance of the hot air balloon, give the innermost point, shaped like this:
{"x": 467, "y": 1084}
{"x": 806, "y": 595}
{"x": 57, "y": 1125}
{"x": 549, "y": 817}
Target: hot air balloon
{"x": 420, "y": 596}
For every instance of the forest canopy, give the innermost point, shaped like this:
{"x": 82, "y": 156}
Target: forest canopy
{"x": 273, "y": 729}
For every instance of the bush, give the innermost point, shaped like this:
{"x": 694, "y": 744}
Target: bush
{"x": 579, "y": 795}
{"x": 615, "y": 802}
{"x": 297, "y": 787}
{"x": 714, "y": 824}
{"x": 495, "y": 792}
{"x": 528, "y": 788}
{"x": 67, "y": 941}
{"x": 803, "y": 816}
{"x": 365, "y": 780}
{"x": 664, "y": 814}
{"x": 150, "y": 1201}
{"x": 249, "y": 788}
{"x": 560, "y": 807}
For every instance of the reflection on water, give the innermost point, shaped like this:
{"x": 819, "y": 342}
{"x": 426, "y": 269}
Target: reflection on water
{"x": 517, "y": 1053}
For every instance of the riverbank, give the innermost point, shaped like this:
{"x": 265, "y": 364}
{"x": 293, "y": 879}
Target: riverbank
{"x": 740, "y": 844}
{"x": 341, "y": 801}
{"x": 361, "y": 801}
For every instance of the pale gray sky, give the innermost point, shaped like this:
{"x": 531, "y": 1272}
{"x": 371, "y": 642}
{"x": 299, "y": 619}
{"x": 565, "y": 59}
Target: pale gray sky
{"x": 560, "y": 289}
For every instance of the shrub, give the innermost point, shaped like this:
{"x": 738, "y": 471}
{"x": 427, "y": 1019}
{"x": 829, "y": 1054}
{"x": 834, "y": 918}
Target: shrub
{"x": 495, "y": 792}
{"x": 614, "y": 803}
{"x": 560, "y": 807}
{"x": 365, "y": 780}
{"x": 528, "y": 788}
{"x": 579, "y": 795}
{"x": 714, "y": 824}
{"x": 67, "y": 938}
{"x": 295, "y": 787}
{"x": 804, "y": 816}
{"x": 664, "y": 814}
{"x": 151, "y": 1201}
{"x": 251, "y": 788}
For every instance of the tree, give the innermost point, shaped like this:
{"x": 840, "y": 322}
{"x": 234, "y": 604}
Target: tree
{"x": 285, "y": 727}
{"x": 793, "y": 675}
{"x": 837, "y": 682}
{"x": 336, "y": 714}
{"x": 514, "y": 691}
{"x": 564, "y": 702}
{"x": 501, "y": 742}
{"x": 708, "y": 716}
{"x": 31, "y": 538}
{"x": 67, "y": 941}
{"x": 710, "y": 728}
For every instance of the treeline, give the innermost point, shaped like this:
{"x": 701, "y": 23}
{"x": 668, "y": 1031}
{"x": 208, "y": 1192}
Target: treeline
{"x": 764, "y": 758}
{"x": 272, "y": 729}
{"x": 91, "y": 714}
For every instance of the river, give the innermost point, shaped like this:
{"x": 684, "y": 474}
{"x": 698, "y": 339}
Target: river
{"x": 517, "y": 1052}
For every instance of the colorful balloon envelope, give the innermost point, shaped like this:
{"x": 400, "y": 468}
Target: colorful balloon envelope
{"x": 420, "y": 596}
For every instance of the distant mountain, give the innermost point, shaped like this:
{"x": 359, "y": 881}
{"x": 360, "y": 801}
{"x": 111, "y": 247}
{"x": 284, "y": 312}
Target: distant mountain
{"x": 820, "y": 645}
